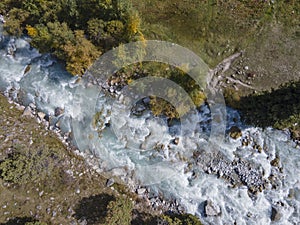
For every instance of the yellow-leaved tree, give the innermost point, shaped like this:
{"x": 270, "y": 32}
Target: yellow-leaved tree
{"x": 80, "y": 54}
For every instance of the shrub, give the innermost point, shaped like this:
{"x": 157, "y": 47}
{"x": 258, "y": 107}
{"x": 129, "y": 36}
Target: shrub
{"x": 119, "y": 212}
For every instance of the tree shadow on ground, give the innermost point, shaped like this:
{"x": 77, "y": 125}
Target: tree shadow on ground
{"x": 279, "y": 108}
{"x": 93, "y": 209}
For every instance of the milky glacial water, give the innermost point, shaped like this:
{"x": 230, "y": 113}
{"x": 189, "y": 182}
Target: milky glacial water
{"x": 142, "y": 150}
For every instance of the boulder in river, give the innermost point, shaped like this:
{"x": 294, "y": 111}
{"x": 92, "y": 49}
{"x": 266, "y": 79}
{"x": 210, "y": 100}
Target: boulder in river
{"x": 235, "y": 132}
{"x": 176, "y": 141}
{"x": 27, "y": 69}
{"x": 58, "y": 111}
{"x": 211, "y": 209}
{"x": 275, "y": 214}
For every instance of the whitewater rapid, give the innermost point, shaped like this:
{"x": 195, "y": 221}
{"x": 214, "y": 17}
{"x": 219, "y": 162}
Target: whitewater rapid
{"x": 142, "y": 149}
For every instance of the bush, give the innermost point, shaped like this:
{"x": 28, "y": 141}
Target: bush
{"x": 184, "y": 219}
{"x": 25, "y": 165}
{"x": 119, "y": 212}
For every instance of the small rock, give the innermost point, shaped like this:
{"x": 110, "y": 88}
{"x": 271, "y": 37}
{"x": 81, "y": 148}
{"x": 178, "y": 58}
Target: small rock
{"x": 275, "y": 214}
{"x": 2, "y": 20}
{"x": 41, "y": 115}
{"x": 77, "y": 191}
{"x": 20, "y": 107}
{"x": 58, "y": 111}
{"x": 57, "y": 124}
{"x": 83, "y": 222}
{"x": 146, "y": 101}
{"x": 141, "y": 191}
{"x": 275, "y": 162}
{"x": 110, "y": 182}
{"x": 176, "y": 141}
{"x": 32, "y": 105}
{"x": 211, "y": 209}
{"x": 27, "y": 112}
{"x": 111, "y": 90}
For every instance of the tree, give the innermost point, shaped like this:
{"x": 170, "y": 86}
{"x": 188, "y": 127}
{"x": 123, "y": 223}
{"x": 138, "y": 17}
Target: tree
{"x": 80, "y": 54}
{"x": 15, "y": 21}
{"x": 96, "y": 30}
{"x": 24, "y": 165}
{"x": 119, "y": 212}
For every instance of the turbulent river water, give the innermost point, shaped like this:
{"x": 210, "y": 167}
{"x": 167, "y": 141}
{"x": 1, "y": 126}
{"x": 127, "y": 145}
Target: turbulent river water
{"x": 254, "y": 179}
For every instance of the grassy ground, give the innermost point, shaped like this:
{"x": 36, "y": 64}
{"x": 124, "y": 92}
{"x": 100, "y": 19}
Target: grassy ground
{"x": 213, "y": 29}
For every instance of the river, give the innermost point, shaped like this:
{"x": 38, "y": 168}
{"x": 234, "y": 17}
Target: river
{"x": 237, "y": 181}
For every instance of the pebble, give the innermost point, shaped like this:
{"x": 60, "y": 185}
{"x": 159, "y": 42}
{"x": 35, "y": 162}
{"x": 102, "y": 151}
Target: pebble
{"x": 27, "y": 112}
{"x": 32, "y": 105}
{"x": 41, "y": 115}
{"x": 77, "y": 191}
{"x": 20, "y": 107}
{"x": 141, "y": 191}
{"x": 110, "y": 182}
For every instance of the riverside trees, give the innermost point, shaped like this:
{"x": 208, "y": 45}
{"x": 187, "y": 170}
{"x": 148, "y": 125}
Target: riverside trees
{"x": 75, "y": 31}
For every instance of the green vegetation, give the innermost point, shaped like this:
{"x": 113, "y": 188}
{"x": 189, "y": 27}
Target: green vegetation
{"x": 119, "y": 212}
{"x": 213, "y": 29}
{"x": 75, "y": 31}
{"x": 18, "y": 168}
{"x": 184, "y": 219}
{"x": 179, "y": 76}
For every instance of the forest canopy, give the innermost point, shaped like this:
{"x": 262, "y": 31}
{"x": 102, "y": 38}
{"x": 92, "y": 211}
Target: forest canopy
{"x": 75, "y": 31}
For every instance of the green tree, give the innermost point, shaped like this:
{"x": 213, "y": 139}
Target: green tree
{"x": 182, "y": 219}
{"x": 80, "y": 54}
{"x": 15, "y": 21}
{"x": 96, "y": 30}
{"x": 119, "y": 212}
{"x": 23, "y": 165}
